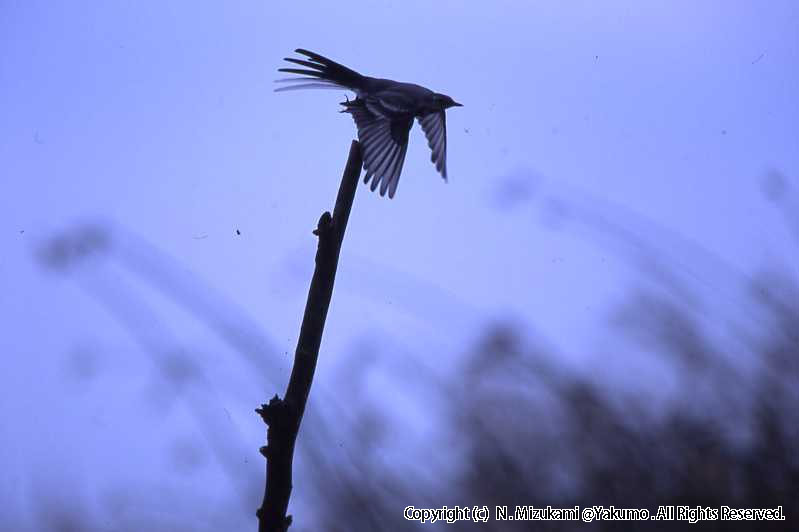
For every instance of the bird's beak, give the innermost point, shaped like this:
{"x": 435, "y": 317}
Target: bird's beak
{"x": 456, "y": 104}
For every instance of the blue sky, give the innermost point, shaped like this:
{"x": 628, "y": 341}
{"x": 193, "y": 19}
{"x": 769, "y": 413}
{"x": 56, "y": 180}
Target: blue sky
{"x": 157, "y": 121}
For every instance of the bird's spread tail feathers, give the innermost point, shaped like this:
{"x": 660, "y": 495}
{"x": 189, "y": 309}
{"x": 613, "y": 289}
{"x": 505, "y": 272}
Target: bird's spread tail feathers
{"x": 320, "y": 73}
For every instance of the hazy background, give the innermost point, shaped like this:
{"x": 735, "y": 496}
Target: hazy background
{"x": 612, "y": 160}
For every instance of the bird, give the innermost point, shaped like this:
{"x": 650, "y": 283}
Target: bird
{"x": 383, "y": 111}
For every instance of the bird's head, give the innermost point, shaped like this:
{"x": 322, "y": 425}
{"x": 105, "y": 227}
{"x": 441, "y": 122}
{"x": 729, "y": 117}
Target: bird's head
{"x": 443, "y": 101}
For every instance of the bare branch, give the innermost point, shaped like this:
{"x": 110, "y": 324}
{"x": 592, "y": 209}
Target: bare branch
{"x": 283, "y": 416}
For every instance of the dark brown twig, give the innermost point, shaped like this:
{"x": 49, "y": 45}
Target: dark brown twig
{"x": 283, "y": 416}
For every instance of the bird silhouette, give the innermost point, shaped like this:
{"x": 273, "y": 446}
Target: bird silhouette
{"x": 383, "y": 111}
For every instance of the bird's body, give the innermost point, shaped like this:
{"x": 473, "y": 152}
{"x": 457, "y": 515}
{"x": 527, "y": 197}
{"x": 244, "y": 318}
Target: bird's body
{"x": 383, "y": 111}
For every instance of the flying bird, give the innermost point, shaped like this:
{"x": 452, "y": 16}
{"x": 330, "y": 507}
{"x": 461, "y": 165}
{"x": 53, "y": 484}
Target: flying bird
{"x": 383, "y": 111}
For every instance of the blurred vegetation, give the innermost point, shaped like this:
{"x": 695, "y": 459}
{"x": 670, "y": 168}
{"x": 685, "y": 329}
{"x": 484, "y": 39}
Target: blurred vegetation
{"x": 536, "y": 435}
{"x": 717, "y": 427}
{"x": 508, "y": 424}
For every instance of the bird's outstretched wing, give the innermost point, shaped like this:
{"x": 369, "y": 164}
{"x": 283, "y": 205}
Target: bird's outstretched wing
{"x": 435, "y": 129}
{"x": 384, "y": 141}
{"x": 320, "y": 72}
